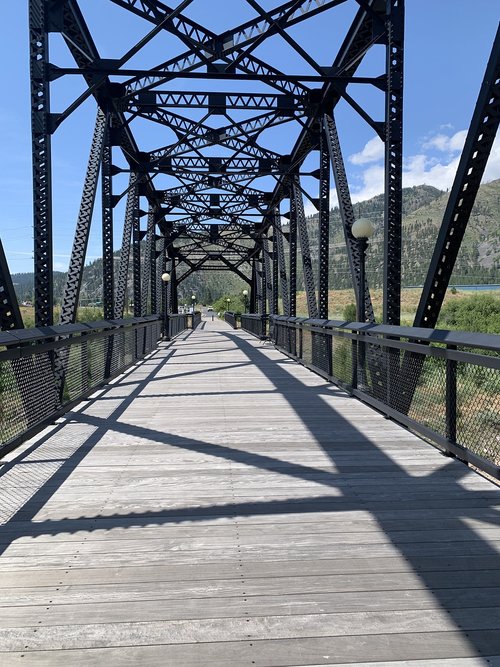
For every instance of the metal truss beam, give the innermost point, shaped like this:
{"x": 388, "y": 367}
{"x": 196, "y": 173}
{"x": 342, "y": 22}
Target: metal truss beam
{"x": 136, "y": 254}
{"x": 216, "y": 102}
{"x": 324, "y": 223}
{"x": 160, "y": 265}
{"x": 208, "y": 47}
{"x": 274, "y": 308}
{"x": 346, "y": 212}
{"x": 365, "y": 31}
{"x": 148, "y": 265}
{"x": 121, "y": 287}
{"x": 41, "y": 151}
{"x": 278, "y": 245}
{"x": 267, "y": 274}
{"x": 73, "y": 284}
{"x": 108, "y": 269}
{"x": 393, "y": 162}
{"x": 207, "y": 136}
{"x": 309, "y": 282}
{"x": 224, "y": 136}
{"x": 215, "y": 165}
{"x": 235, "y": 270}
{"x": 292, "y": 263}
{"x": 10, "y": 315}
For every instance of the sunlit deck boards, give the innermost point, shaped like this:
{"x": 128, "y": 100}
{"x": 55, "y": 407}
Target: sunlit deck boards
{"x": 221, "y": 505}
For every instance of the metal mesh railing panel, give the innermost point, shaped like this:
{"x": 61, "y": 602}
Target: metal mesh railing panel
{"x": 450, "y": 396}
{"x": 27, "y": 393}
{"x": 428, "y": 406}
{"x": 97, "y": 360}
{"x": 342, "y": 360}
{"x": 478, "y": 410}
{"x": 77, "y": 375}
{"x": 230, "y": 318}
{"x": 254, "y": 324}
{"x": 30, "y": 394}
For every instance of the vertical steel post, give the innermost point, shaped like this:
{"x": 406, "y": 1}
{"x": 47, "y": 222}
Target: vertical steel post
{"x": 267, "y": 275}
{"x": 361, "y": 314}
{"x": 148, "y": 263}
{"x": 160, "y": 265}
{"x": 275, "y": 269}
{"x": 253, "y": 288}
{"x": 174, "y": 295}
{"x": 451, "y": 398}
{"x": 41, "y": 150}
{"x": 393, "y": 161}
{"x": 121, "y": 287}
{"x": 293, "y": 257}
{"x": 278, "y": 246}
{"x": 324, "y": 223}
{"x": 136, "y": 255}
{"x": 153, "y": 269}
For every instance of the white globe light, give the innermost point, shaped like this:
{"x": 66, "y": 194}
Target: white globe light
{"x": 362, "y": 229}
{"x": 245, "y": 292}
{"x": 165, "y": 277}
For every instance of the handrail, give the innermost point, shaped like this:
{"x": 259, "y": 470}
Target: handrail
{"x": 231, "y": 318}
{"x": 255, "y": 324}
{"x": 423, "y": 379}
{"x": 445, "y": 336}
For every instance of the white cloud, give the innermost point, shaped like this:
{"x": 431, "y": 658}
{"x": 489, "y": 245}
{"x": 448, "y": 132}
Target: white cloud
{"x": 446, "y": 144}
{"x": 373, "y": 151}
{"x": 420, "y": 169}
{"x": 425, "y": 169}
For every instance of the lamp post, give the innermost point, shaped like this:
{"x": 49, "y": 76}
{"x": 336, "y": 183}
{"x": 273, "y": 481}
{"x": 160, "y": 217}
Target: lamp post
{"x": 166, "y": 279}
{"x": 228, "y": 301}
{"x": 245, "y": 295}
{"x": 362, "y": 230}
{"x": 193, "y": 301}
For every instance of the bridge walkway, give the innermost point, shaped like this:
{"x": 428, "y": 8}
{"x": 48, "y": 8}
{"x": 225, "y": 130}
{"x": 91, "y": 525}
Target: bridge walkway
{"x": 220, "y": 504}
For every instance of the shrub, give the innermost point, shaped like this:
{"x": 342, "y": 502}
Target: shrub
{"x": 479, "y": 312}
{"x": 349, "y": 313}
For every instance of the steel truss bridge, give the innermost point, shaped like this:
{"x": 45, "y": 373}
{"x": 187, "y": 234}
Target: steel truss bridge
{"x": 203, "y": 202}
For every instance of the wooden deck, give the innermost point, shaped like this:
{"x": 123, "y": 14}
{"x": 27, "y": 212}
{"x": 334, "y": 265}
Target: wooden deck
{"x": 221, "y": 505}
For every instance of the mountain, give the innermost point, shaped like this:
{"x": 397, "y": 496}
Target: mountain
{"x": 423, "y": 210}
{"x": 423, "y": 207}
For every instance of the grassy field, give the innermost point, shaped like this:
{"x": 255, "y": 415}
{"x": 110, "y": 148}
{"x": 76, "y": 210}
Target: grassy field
{"x": 337, "y": 302}
{"x": 339, "y": 299}
{"x": 85, "y": 314}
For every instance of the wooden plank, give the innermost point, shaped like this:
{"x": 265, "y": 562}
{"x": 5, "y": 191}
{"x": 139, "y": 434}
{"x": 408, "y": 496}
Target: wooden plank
{"x": 457, "y": 571}
{"x": 229, "y": 507}
{"x": 220, "y": 599}
{"x": 97, "y": 635}
{"x": 318, "y": 651}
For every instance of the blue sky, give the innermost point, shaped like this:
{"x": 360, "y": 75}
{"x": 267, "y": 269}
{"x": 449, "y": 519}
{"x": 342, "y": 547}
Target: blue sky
{"x": 447, "y": 46}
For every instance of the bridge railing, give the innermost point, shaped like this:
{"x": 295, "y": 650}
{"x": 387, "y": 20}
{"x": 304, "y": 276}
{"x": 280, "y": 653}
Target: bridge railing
{"x": 231, "y": 319}
{"x": 177, "y": 323}
{"x": 255, "y": 324}
{"x": 45, "y": 371}
{"x": 444, "y": 385}
{"x": 195, "y": 319}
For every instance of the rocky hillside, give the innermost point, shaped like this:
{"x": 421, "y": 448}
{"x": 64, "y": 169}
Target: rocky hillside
{"x": 423, "y": 207}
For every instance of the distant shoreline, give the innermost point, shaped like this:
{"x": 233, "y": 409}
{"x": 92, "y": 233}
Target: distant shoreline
{"x": 467, "y": 288}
